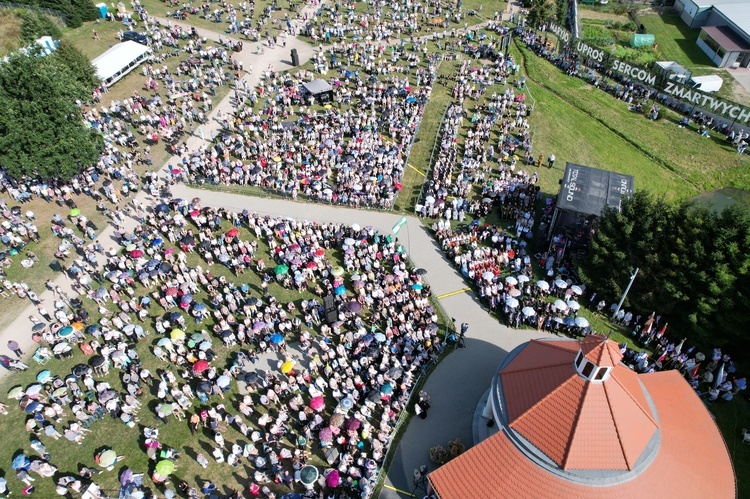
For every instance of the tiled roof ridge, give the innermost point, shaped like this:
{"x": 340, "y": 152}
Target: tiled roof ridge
{"x": 569, "y": 445}
{"x": 617, "y": 428}
{"x": 545, "y": 344}
{"x": 601, "y": 345}
{"x": 648, "y": 413}
{"x": 534, "y": 368}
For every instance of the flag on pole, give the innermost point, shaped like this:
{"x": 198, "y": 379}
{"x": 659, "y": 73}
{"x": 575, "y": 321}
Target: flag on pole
{"x": 399, "y": 224}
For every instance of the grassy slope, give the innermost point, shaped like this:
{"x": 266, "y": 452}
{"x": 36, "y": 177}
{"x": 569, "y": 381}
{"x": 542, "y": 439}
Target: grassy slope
{"x": 10, "y": 32}
{"x": 677, "y": 162}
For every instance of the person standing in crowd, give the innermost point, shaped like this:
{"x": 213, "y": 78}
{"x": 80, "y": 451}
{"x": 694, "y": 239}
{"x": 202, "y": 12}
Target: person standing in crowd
{"x": 15, "y": 348}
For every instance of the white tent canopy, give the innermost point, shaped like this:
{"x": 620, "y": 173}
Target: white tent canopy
{"x": 119, "y": 61}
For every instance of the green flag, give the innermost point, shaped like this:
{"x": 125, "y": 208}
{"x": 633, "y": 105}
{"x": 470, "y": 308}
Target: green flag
{"x": 399, "y": 224}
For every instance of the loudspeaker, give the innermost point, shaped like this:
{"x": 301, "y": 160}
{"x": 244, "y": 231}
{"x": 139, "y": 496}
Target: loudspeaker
{"x": 295, "y": 58}
{"x": 330, "y": 309}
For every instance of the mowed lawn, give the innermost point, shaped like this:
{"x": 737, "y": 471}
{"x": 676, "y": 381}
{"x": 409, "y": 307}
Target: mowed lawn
{"x": 581, "y": 124}
{"x": 676, "y": 40}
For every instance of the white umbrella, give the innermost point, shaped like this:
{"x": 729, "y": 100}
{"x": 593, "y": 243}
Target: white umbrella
{"x": 543, "y": 285}
{"x": 488, "y": 276}
{"x": 511, "y": 302}
{"x": 528, "y": 311}
{"x": 561, "y": 284}
{"x": 523, "y": 278}
{"x": 560, "y": 305}
{"x": 581, "y": 322}
{"x": 576, "y": 289}
{"x": 574, "y": 305}
{"x": 511, "y": 280}
{"x": 515, "y": 293}
{"x": 356, "y": 227}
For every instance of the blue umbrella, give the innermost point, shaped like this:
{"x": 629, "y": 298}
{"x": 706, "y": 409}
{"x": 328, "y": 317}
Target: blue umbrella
{"x": 416, "y": 287}
{"x": 340, "y": 290}
{"x": 386, "y": 389}
{"x": 379, "y": 337}
{"x": 367, "y": 339}
{"x": 65, "y": 332}
{"x": 277, "y": 339}
{"x": 200, "y": 307}
{"x": 152, "y": 264}
{"x": 93, "y": 328}
{"x": 20, "y": 462}
{"x": 157, "y": 242}
{"x": 43, "y": 376}
{"x": 33, "y": 406}
{"x": 174, "y": 316}
{"x": 186, "y": 298}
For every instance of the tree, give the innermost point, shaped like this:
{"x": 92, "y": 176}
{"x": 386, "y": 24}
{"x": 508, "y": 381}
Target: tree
{"x": 35, "y": 25}
{"x": 41, "y": 127}
{"x": 77, "y": 62}
{"x": 694, "y": 265}
{"x": 540, "y": 12}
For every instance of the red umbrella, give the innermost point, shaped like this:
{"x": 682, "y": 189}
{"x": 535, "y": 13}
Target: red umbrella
{"x": 232, "y": 232}
{"x": 200, "y": 366}
{"x": 312, "y": 265}
{"x": 136, "y": 253}
{"x": 320, "y": 252}
{"x": 195, "y": 213}
{"x": 317, "y": 403}
{"x": 172, "y": 291}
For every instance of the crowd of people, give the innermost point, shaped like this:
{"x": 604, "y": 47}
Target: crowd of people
{"x": 341, "y": 384}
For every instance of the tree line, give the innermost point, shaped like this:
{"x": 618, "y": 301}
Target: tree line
{"x": 694, "y": 266}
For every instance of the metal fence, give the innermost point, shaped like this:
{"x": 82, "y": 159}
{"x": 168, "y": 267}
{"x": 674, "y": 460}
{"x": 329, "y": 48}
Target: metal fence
{"x": 431, "y": 162}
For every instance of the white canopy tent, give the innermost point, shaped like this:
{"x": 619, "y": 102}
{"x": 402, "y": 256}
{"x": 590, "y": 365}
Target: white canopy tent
{"x": 119, "y": 61}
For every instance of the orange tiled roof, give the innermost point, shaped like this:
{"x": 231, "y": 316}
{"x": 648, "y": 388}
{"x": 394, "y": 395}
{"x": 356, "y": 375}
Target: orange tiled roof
{"x": 576, "y": 423}
{"x": 692, "y": 460}
{"x": 601, "y": 351}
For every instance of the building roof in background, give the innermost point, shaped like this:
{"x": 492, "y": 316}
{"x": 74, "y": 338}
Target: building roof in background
{"x": 692, "y": 459}
{"x": 727, "y": 38}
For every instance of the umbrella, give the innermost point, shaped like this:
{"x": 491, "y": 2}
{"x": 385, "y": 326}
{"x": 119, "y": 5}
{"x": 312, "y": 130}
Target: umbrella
{"x": 317, "y": 403}
{"x": 340, "y": 290}
{"x": 177, "y": 334}
{"x": 60, "y": 392}
{"x": 161, "y": 208}
{"x": 308, "y": 475}
{"x": 61, "y": 348}
{"x": 223, "y": 381}
{"x": 33, "y": 390}
{"x": 522, "y": 278}
{"x": 337, "y": 420}
{"x": 560, "y": 305}
{"x": 130, "y": 247}
{"x": 576, "y": 289}
{"x": 200, "y": 307}
{"x": 353, "y": 424}
{"x": 528, "y": 311}
{"x": 232, "y": 232}
{"x": 417, "y": 287}
{"x": 175, "y": 317}
{"x": 200, "y": 366}
{"x": 287, "y": 367}
{"x": 197, "y": 337}
{"x": 33, "y": 406}
{"x": 107, "y": 395}
{"x": 107, "y": 458}
{"x": 78, "y": 326}
{"x": 543, "y": 285}
{"x": 333, "y": 479}
{"x": 349, "y": 241}
{"x": 164, "y": 467}
{"x": 258, "y": 325}
{"x": 74, "y": 212}
{"x": 511, "y": 302}
{"x": 581, "y": 322}
{"x": 172, "y": 291}
{"x": 379, "y": 337}
{"x": 346, "y": 403}
{"x": 386, "y": 389}
{"x": 65, "y": 331}
{"x": 164, "y": 342}
{"x": 205, "y": 345}
{"x": 561, "y": 284}
{"x": 353, "y": 306}
{"x": 276, "y": 339}
{"x": 325, "y": 435}
{"x": 187, "y": 240}
{"x": 488, "y": 276}
{"x": 700, "y": 356}
{"x": 515, "y": 293}
{"x": 39, "y": 326}
{"x": 186, "y": 298}
{"x": 204, "y": 386}
{"x": 337, "y": 271}
{"x": 511, "y": 280}
{"x": 136, "y": 253}
{"x": 20, "y": 462}
{"x": 281, "y": 269}
{"x": 574, "y": 305}
{"x": 43, "y": 376}
{"x": 15, "y": 392}
{"x": 126, "y": 477}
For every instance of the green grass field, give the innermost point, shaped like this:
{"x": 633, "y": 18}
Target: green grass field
{"x": 676, "y": 40}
